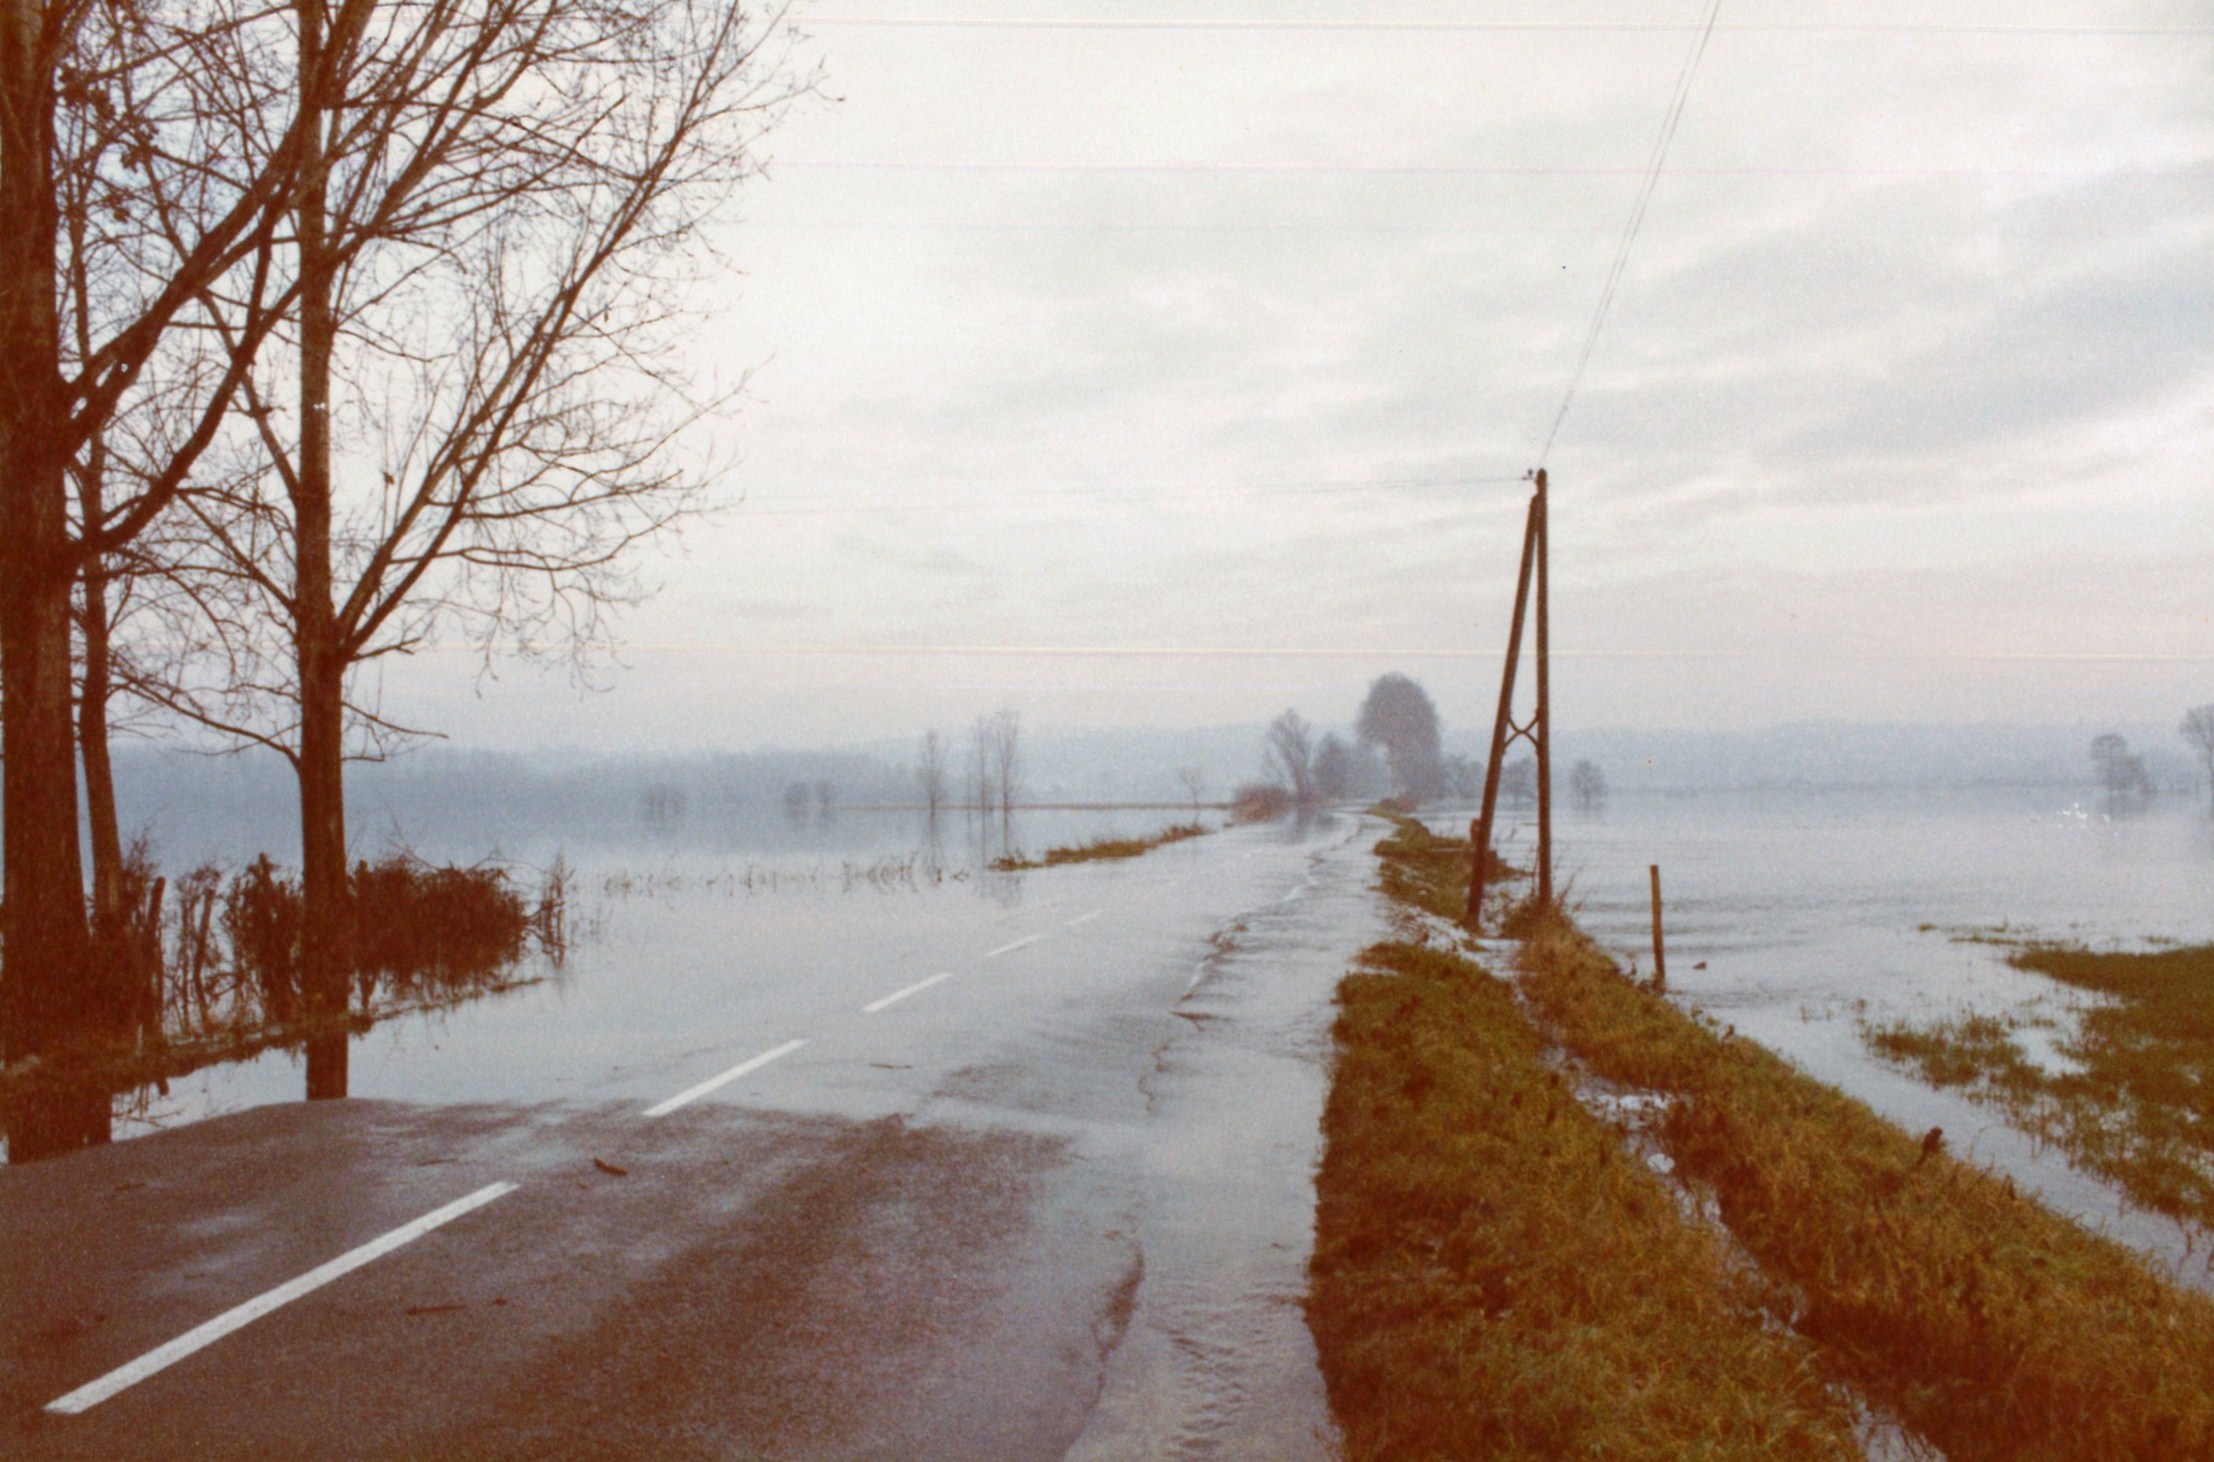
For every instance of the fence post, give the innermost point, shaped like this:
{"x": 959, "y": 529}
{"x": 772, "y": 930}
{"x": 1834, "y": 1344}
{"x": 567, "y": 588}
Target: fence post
{"x": 1660, "y": 953}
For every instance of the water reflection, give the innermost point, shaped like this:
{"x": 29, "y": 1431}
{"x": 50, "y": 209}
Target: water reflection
{"x": 221, "y": 978}
{"x": 660, "y": 926}
{"x": 50, "y": 1120}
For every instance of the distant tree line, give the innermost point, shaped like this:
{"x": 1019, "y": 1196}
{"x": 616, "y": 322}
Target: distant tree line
{"x": 1396, "y": 753}
{"x": 2123, "y": 778}
{"x": 992, "y": 766}
{"x": 2198, "y": 730}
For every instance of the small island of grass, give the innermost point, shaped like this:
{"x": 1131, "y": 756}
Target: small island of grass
{"x": 1100, "y": 850}
{"x": 2131, "y": 1102}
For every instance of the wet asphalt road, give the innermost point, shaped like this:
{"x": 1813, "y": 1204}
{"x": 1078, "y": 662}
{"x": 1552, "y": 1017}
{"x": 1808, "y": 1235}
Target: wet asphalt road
{"x": 1022, "y": 1180}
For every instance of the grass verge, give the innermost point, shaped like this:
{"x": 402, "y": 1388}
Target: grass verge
{"x": 2139, "y": 1107}
{"x": 1991, "y": 1326}
{"x": 1494, "y": 1277}
{"x": 1101, "y": 849}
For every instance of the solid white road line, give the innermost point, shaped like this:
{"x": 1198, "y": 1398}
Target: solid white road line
{"x": 1082, "y": 919}
{"x": 695, "y": 1093}
{"x": 1011, "y": 948}
{"x": 160, "y": 1359}
{"x": 898, "y": 995}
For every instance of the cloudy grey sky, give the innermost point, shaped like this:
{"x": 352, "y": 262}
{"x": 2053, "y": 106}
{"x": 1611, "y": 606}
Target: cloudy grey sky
{"x": 1176, "y": 362}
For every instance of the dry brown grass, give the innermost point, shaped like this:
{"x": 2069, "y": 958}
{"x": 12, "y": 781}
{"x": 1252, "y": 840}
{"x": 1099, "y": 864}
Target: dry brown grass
{"x": 1101, "y": 849}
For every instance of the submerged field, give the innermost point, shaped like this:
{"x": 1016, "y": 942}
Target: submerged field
{"x": 2128, "y": 1089}
{"x": 1865, "y": 1255}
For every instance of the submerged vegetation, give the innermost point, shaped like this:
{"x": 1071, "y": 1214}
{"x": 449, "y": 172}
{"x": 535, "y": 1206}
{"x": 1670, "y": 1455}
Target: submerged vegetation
{"x": 2134, "y": 1102}
{"x": 1989, "y": 1326}
{"x": 1100, "y": 849}
{"x": 913, "y": 872}
{"x": 213, "y": 963}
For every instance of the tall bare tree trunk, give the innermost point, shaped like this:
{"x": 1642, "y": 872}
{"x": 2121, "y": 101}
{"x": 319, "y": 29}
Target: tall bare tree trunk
{"x": 45, "y": 1000}
{"x": 92, "y": 719}
{"x": 322, "y": 663}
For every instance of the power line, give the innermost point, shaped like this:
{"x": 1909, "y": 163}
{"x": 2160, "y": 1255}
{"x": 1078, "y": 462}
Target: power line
{"x": 1486, "y": 27}
{"x": 1092, "y": 495}
{"x": 1637, "y": 219}
{"x": 1793, "y": 655}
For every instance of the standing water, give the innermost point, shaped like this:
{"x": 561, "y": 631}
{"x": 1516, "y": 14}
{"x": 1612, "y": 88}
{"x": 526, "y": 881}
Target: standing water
{"x": 1800, "y": 918}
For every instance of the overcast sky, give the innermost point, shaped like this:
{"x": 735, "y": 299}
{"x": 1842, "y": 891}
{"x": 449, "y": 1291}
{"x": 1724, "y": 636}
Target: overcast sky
{"x": 1180, "y": 368}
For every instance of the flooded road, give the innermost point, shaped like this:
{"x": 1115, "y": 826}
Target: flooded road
{"x": 994, "y": 1167}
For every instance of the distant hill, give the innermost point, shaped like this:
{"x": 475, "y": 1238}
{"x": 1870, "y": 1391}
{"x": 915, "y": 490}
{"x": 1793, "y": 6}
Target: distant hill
{"x": 1834, "y": 754}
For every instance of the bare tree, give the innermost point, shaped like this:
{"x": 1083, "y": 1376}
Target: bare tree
{"x": 117, "y": 144}
{"x": 2198, "y": 730}
{"x": 1333, "y": 768}
{"x": 1289, "y": 758}
{"x": 1587, "y": 784}
{"x": 475, "y": 412}
{"x": 981, "y": 733}
{"x": 120, "y": 588}
{"x": 2122, "y": 773}
{"x": 1006, "y": 744}
{"x": 930, "y": 772}
{"x": 1195, "y": 786}
{"x": 1518, "y": 781}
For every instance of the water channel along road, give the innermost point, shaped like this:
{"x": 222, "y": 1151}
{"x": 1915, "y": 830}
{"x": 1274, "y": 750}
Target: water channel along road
{"x": 952, "y": 1177}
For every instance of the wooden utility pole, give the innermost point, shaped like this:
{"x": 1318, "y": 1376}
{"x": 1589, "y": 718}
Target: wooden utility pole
{"x": 1504, "y": 731}
{"x": 1660, "y": 949}
{"x": 1543, "y": 740}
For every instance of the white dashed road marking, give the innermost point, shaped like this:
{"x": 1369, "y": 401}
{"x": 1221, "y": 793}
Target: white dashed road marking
{"x": 695, "y": 1093}
{"x": 898, "y": 995}
{"x": 162, "y": 1357}
{"x": 1082, "y": 919}
{"x": 1011, "y": 948}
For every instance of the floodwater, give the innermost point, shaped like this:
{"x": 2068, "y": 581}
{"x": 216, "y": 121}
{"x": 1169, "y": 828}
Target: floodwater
{"x": 673, "y": 924}
{"x": 1217, "y": 1359}
{"x": 1797, "y": 917}
{"x": 1163, "y": 1024}
{"x": 1140, "y": 1046}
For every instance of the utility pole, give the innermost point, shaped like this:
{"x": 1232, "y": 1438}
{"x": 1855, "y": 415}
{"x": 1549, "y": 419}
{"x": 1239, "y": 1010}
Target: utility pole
{"x": 1504, "y": 730}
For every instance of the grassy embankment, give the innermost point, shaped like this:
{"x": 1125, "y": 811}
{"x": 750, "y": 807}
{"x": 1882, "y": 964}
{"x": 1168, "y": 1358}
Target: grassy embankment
{"x": 1993, "y": 1327}
{"x": 2139, "y": 1110}
{"x": 1101, "y": 849}
{"x": 1495, "y": 1277}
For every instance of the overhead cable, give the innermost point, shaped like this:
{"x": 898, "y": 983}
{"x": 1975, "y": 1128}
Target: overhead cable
{"x": 1653, "y": 167}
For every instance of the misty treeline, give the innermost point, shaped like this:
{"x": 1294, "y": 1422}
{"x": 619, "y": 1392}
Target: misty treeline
{"x": 334, "y": 330}
{"x": 2197, "y": 731}
{"x": 2125, "y": 778}
{"x": 1396, "y": 753}
{"x": 983, "y": 773}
